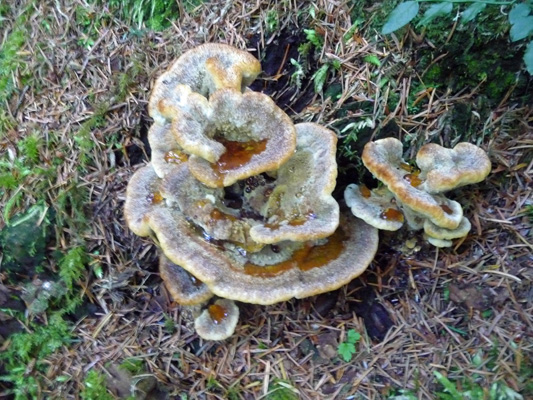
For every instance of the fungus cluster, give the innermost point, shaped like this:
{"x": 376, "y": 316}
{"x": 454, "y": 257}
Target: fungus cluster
{"x": 238, "y": 197}
{"x": 415, "y": 193}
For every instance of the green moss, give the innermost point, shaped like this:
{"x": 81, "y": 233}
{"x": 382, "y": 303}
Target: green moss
{"x": 95, "y": 387}
{"x": 491, "y": 66}
{"x": 433, "y": 75}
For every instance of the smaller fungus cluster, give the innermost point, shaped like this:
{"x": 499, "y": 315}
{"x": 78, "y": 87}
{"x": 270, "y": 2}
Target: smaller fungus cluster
{"x": 237, "y": 197}
{"x": 415, "y": 193}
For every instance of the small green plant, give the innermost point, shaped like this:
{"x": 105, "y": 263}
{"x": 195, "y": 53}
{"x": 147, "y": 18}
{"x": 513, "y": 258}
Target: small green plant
{"x": 350, "y": 134}
{"x": 134, "y": 366}
{"x": 467, "y": 389}
{"x": 95, "y": 387}
{"x": 298, "y": 74}
{"x": 272, "y": 20}
{"x": 23, "y": 358}
{"x": 347, "y": 349}
{"x": 280, "y": 389}
{"x": 520, "y": 18}
{"x": 10, "y": 60}
{"x": 320, "y": 76}
{"x": 402, "y": 394}
{"x": 152, "y": 14}
{"x": 315, "y": 38}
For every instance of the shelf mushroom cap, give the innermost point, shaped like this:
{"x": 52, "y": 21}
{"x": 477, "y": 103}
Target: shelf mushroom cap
{"x": 438, "y": 242}
{"x": 300, "y": 206}
{"x": 217, "y": 321}
{"x": 436, "y": 232}
{"x": 316, "y": 267}
{"x": 182, "y": 286}
{"x": 205, "y": 69}
{"x": 375, "y": 207}
{"x": 205, "y": 206}
{"x": 167, "y": 155}
{"x": 233, "y": 135}
{"x": 142, "y": 195}
{"x": 383, "y": 158}
{"x": 444, "y": 169}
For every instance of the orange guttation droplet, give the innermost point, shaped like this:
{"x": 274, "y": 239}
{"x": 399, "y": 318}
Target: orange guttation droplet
{"x": 217, "y": 215}
{"x": 296, "y": 220}
{"x": 413, "y": 179}
{"x": 302, "y": 219}
{"x": 155, "y": 198}
{"x": 200, "y": 204}
{"x": 365, "y": 192}
{"x": 217, "y": 313}
{"x": 237, "y": 154}
{"x": 392, "y": 214}
{"x": 446, "y": 209}
{"x": 406, "y": 167}
{"x": 175, "y": 157}
{"x": 305, "y": 259}
{"x": 409, "y": 168}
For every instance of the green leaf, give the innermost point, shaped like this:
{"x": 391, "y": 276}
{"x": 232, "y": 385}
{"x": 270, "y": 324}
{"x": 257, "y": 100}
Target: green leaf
{"x": 372, "y": 59}
{"x": 471, "y": 12}
{"x": 522, "y": 28}
{"x": 320, "y": 77}
{"x": 346, "y": 351}
{"x": 435, "y": 11}
{"x": 353, "y": 336}
{"x": 528, "y": 58}
{"x": 518, "y": 12}
{"x": 400, "y": 16}
{"x": 448, "y": 385}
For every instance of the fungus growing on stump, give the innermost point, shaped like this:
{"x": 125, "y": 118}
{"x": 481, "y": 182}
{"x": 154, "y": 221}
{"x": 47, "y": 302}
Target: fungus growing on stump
{"x": 237, "y": 197}
{"x": 415, "y": 194}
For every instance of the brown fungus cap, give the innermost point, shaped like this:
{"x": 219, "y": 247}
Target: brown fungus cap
{"x": 167, "y": 155}
{"x": 205, "y": 69}
{"x": 300, "y": 207}
{"x": 238, "y": 136}
{"x": 441, "y": 237}
{"x": 444, "y": 169}
{"x": 383, "y": 158}
{"x": 375, "y": 207}
{"x": 182, "y": 286}
{"x": 316, "y": 267}
{"x": 205, "y": 206}
{"x": 217, "y": 321}
{"x": 142, "y": 196}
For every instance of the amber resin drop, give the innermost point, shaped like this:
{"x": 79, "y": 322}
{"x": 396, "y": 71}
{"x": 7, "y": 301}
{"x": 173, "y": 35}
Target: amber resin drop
{"x": 296, "y": 220}
{"x": 175, "y": 157}
{"x": 217, "y": 313}
{"x": 409, "y": 168}
{"x": 217, "y": 215}
{"x": 200, "y": 204}
{"x": 406, "y": 167}
{"x": 155, "y": 198}
{"x": 365, "y": 192}
{"x": 392, "y": 214}
{"x": 306, "y": 258}
{"x": 302, "y": 219}
{"x": 446, "y": 209}
{"x": 237, "y": 154}
{"x": 413, "y": 179}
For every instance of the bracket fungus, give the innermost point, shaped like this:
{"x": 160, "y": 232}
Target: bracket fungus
{"x": 238, "y": 197}
{"x": 414, "y": 193}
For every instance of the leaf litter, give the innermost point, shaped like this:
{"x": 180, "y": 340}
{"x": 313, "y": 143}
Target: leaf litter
{"x": 419, "y": 311}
